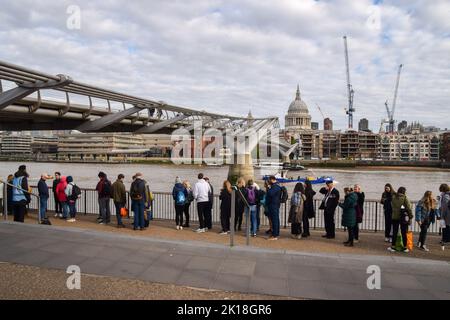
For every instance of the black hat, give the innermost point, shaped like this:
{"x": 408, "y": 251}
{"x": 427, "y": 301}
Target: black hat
{"x": 22, "y": 167}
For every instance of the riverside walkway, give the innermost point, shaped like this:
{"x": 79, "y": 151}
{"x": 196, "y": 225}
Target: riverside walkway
{"x": 218, "y": 267}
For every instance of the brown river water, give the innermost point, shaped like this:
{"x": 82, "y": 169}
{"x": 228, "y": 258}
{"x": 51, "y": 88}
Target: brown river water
{"x": 162, "y": 176}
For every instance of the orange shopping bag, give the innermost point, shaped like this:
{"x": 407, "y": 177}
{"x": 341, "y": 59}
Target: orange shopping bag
{"x": 123, "y": 212}
{"x": 409, "y": 240}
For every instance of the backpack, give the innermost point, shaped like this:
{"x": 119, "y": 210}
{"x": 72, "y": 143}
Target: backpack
{"x": 251, "y": 195}
{"x": 181, "y": 198}
{"x": 76, "y": 192}
{"x": 190, "y": 196}
{"x": 284, "y": 195}
{"x": 107, "y": 188}
{"x": 134, "y": 191}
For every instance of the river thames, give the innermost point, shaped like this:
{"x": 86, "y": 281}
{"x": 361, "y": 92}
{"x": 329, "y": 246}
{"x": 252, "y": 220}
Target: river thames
{"x": 162, "y": 176}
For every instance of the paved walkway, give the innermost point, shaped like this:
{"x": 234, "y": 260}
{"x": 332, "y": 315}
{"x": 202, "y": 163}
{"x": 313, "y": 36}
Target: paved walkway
{"x": 214, "y": 266}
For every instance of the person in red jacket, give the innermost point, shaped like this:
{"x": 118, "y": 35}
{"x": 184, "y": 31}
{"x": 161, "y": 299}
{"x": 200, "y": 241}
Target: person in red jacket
{"x": 62, "y": 198}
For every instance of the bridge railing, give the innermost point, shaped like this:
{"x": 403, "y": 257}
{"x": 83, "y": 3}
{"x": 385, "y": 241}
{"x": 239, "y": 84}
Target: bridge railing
{"x": 164, "y": 209}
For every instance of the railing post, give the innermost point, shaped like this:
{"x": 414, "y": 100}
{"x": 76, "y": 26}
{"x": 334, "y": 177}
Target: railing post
{"x": 285, "y": 215}
{"x": 233, "y": 213}
{"x": 85, "y": 201}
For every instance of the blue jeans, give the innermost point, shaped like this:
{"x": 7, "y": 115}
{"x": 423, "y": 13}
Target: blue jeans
{"x": 72, "y": 209}
{"x": 65, "y": 209}
{"x": 118, "y": 216}
{"x": 42, "y": 207}
{"x": 138, "y": 209}
{"x": 252, "y": 218}
{"x": 275, "y": 216}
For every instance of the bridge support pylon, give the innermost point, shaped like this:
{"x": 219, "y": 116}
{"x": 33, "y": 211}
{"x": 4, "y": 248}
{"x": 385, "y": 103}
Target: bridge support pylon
{"x": 241, "y": 167}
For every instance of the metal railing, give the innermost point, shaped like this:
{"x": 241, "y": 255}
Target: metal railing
{"x": 163, "y": 208}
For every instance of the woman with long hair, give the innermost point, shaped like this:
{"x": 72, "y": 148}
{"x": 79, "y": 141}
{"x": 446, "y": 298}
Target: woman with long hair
{"x": 308, "y": 211}
{"x": 225, "y": 207}
{"x": 386, "y": 201}
{"x": 190, "y": 198}
{"x": 425, "y": 212}
{"x": 240, "y": 205}
{"x": 297, "y": 210}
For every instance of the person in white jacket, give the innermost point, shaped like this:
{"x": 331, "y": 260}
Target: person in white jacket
{"x": 201, "y": 195}
{"x": 70, "y": 201}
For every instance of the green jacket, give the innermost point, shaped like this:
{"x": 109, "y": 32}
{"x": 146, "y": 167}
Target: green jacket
{"x": 118, "y": 192}
{"x": 349, "y": 213}
{"x": 399, "y": 200}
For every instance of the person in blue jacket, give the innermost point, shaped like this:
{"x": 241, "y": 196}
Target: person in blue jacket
{"x": 180, "y": 197}
{"x": 273, "y": 202}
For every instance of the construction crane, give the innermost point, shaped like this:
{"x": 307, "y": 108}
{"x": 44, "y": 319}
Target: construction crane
{"x": 350, "y": 91}
{"x": 320, "y": 110}
{"x": 390, "y": 112}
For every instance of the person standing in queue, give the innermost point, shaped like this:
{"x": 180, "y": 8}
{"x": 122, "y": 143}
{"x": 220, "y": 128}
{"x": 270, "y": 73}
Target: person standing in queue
{"x": 329, "y": 205}
{"x": 201, "y": 194}
{"x": 359, "y": 210}
{"x": 386, "y": 201}
{"x": 43, "y": 196}
{"x": 349, "y": 214}
{"x": 401, "y": 217}
{"x": 137, "y": 194}
{"x": 225, "y": 207}
{"x": 309, "y": 211}
{"x": 273, "y": 202}
{"x": 20, "y": 195}
{"x": 187, "y": 206}
{"x": 119, "y": 195}
{"x": 58, "y": 205}
{"x": 179, "y": 195}
{"x": 208, "y": 215}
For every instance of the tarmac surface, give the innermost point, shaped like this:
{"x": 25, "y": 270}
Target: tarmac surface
{"x": 210, "y": 266}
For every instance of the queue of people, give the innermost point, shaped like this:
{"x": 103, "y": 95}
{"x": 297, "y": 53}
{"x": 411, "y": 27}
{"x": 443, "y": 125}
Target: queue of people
{"x": 250, "y": 200}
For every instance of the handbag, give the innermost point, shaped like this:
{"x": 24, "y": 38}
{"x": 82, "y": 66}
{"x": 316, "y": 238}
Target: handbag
{"x": 404, "y": 217}
{"x": 123, "y": 212}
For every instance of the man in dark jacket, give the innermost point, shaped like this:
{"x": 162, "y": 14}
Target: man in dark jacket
{"x": 104, "y": 196}
{"x": 329, "y": 204}
{"x": 119, "y": 196}
{"x": 58, "y": 205}
{"x": 138, "y": 197}
{"x": 20, "y": 195}
{"x": 273, "y": 202}
{"x": 43, "y": 196}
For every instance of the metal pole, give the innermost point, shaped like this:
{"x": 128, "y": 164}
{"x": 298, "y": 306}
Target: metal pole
{"x": 376, "y": 216}
{"x": 247, "y": 224}
{"x": 85, "y": 201}
{"x": 233, "y": 213}
{"x": 5, "y": 201}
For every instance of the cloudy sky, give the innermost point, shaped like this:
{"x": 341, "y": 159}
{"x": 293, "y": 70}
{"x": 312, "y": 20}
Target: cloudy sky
{"x": 234, "y": 55}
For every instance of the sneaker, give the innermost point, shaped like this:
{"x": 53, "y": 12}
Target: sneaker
{"x": 99, "y": 218}
{"x": 424, "y": 248}
{"x": 391, "y": 249}
{"x": 272, "y": 238}
{"x": 56, "y": 215}
{"x": 223, "y": 233}
{"x": 294, "y": 236}
{"x": 254, "y": 235}
{"x": 418, "y": 244}
{"x": 100, "y": 222}
{"x": 178, "y": 227}
{"x": 387, "y": 239}
{"x": 181, "y": 227}
{"x": 406, "y": 250}
{"x": 199, "y": 230}
{"x": 299, "y": 237}
{"x": 356, "y": 241}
